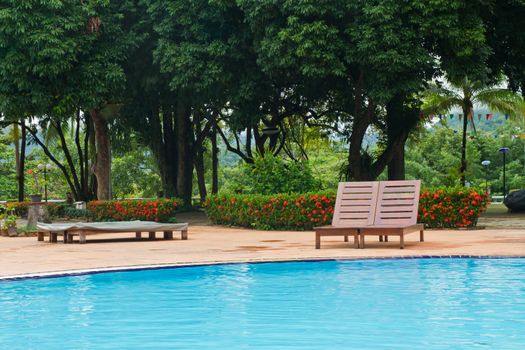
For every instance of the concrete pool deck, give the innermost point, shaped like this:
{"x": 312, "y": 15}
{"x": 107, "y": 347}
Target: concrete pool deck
{"x": 209, "y": 244}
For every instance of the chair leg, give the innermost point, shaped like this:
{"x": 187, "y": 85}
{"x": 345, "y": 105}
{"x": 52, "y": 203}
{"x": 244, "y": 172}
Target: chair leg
{"x": 356, "y": 241}
{"x": 380, "y": 238}
{"x": 386, "y": 238}
{"x": 362, "y": 245}
{"x": 138, "y": 235}
{"x": 317, "y": 240}
{"x": 346, "y": 238}
{"x": 40, "y": 236}
{"x": 402, "y": 241}
{"x": 184, "y": 235}
{"x": 421, "y": 236}
{"x": 151, "y": 235}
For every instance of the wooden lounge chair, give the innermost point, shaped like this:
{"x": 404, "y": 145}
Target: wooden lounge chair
{"x": 396, "y": 212}
{"x": 354, "y": 208}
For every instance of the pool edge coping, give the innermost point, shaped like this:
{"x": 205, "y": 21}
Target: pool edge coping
{"x": 131, "y": 268}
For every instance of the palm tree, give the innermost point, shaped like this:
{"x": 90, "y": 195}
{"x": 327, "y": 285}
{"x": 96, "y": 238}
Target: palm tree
{"x": 466, "y": 94}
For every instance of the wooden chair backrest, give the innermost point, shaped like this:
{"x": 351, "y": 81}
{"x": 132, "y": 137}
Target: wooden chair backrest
{"x": 397, "y": 203}
{"x": 355, "y": 204}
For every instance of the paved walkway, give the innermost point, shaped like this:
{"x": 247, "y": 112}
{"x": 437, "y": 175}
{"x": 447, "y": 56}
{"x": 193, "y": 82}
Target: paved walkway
{"x": 212, "y": 244}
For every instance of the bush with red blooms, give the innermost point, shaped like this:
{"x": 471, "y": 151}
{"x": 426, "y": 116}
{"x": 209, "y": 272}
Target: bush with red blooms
{"x": 272, "y": 212}
{"x": 160, "y": 210}
{"x": 438, "y": 208}
{"x": 451, "y": 207}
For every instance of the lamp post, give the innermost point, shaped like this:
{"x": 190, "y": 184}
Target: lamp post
{"x": 486, "y": 164}
{"x": 44, "y": 168}
{"x": 504, "y": 151}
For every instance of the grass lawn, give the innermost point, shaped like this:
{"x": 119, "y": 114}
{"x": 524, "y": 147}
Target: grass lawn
{"x": 498, "y": 216}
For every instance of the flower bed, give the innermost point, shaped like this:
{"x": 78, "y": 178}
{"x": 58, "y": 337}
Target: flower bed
{"x": 451, "y": 207}
{"x": 160, "y": 210}
{"x": 272, "y": 212}
{"x": 439, "y": 208}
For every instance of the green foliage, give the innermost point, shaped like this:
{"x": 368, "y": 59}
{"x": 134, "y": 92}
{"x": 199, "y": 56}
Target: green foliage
{"x": 160, "y": 210}
{"x": 8, "y": 186}
{"x": 26, "y": 229}
{"x": 74, "y": 213}
{"x": 432, "y": 156}
{"x": 9, "y": 221}
{"x": 271, "y": 174}
{"x": 56, "y": 210}
{"x": 133, "y": 174}
{"x": 272, "y": 212}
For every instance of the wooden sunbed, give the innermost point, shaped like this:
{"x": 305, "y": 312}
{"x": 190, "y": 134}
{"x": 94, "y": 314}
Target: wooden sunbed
{"x": 68, "y": 231}
{"x": 376, "y": 208}
{"x": 396, "y": 212}
{"x": 354, "y": 208}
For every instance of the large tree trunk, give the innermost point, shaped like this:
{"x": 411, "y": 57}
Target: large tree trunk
{"x": 359, "y": 164}
{"x": 21, "y": 158}
{"x": 160, "y": 136}
{"x": 398, "y": 120}
{"x": 396, "y": 167}
{"x": 214, "y": 160}
{"x": 91, "y": 154}
{"x": 184, "y": 151}
{"x": 198, "y": 150}
{"x": 199, "y": 170}
{"x": 467, "y": 113}
{"x": 103, "y": 156}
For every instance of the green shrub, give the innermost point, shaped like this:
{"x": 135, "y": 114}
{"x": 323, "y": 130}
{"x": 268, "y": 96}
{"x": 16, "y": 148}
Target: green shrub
{"x": 56, "y": 210}
{"x": 272, "y": 175}
{"x": 438, "y": 208}
{"x": 161, "y": 210}
{"x": 74, "y": 213}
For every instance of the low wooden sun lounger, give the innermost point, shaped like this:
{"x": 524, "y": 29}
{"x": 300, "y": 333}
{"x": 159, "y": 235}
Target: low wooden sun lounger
{"x": 376, "y": 208}
{"x": 68, "y": 231}
{"x": 354, "y": 208}
{"x": 396, "y": 212}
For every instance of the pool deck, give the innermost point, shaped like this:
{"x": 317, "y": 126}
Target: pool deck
{"x": 209, "y": 244}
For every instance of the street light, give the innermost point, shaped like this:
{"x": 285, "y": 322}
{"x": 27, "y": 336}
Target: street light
{"x": 45, "y": 168}
{"x": 504, "y": 151}
{"x": 486, "y": 164}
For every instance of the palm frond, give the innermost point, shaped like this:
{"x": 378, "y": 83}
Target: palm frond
{"x": 438, "y": 100}
{"x": 501, "y": 100}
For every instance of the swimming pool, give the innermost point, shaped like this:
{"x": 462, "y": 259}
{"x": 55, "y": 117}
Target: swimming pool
{"x": 369, "y": 304}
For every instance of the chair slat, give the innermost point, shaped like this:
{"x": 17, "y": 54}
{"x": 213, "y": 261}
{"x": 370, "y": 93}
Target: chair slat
{"x": 397, "y": 208}
{"x": 355, "y": 204}
{"x": 397, "y": 195}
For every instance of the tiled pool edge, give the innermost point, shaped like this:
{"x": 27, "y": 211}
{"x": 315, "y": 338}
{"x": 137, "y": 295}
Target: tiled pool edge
{"x": 130, "y": 268}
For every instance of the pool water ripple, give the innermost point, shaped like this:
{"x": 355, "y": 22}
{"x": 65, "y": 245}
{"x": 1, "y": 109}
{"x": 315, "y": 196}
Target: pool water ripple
{"x": 371, "y": 304}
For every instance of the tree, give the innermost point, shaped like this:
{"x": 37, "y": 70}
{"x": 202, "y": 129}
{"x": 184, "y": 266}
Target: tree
{"x": 465, "y": 94}
{"x": 370, "y": 55}
{"x": 58, "y": 57}
{"x": 8, "y": 185}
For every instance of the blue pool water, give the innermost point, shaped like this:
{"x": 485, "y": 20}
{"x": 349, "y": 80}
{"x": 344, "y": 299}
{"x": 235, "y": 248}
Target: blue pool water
{"x": 372, "y": 304}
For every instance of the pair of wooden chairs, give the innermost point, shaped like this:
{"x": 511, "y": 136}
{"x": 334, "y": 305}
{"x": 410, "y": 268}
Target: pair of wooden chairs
{"x": 375, "y": 208}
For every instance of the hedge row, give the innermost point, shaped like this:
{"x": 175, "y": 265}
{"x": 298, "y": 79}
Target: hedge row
{"x": 451, "y": 208}
{"x": 438, "y": 208}
{"x": 161, "y": 210}
{"x": 270, "y": 212}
